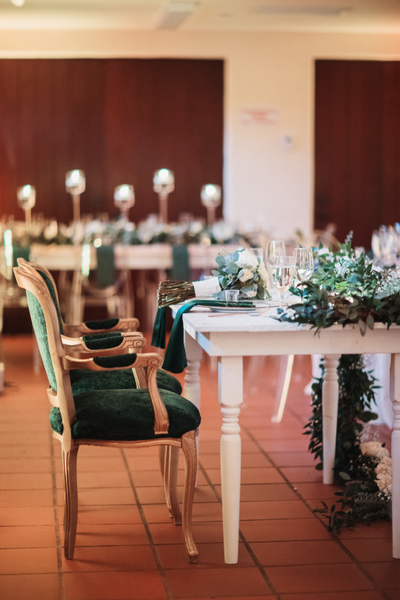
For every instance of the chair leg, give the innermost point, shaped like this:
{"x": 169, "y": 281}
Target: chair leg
{"x": 70, "y": 501}
{"x": 171, "y": 460}
{"x": 190, "y": 452}
{"x": 161, "y": 458}
{"x": 285, "y": 374}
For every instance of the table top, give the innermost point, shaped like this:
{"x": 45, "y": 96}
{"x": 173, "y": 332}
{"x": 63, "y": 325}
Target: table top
{"x": 246, "y": 335}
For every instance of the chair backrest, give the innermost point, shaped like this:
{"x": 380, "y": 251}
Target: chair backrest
{"x": 47, "y": 330}
{"x": 51, "y": 286}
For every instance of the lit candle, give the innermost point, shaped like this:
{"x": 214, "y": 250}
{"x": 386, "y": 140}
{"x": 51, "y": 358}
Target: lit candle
{"x": 163, "y": 177}
{"x": 75, "y": 182}
{"x": 210, "y": 198}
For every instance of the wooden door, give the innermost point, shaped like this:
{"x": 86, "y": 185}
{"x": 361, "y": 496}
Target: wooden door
{"x": 357, "y": 146}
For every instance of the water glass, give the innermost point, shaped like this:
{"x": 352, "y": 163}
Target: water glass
{"x": 303, "y": 264}
{"x": 282, "y": 274}
{"x": 231, "y": 295}
{"x": 275, "y": 248}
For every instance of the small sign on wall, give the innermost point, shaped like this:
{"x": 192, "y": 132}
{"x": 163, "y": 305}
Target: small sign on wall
{"x": 253, "y": 115}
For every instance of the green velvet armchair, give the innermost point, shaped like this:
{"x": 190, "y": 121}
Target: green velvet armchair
{"x": 110, "y": 417}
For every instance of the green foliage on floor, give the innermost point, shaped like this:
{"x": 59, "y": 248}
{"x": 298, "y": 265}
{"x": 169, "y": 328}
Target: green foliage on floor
{"x": 362, "y": 499}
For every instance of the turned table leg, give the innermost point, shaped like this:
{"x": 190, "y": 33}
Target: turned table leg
{"x": 330, "y": 399}
{"x": 230, "y": 378}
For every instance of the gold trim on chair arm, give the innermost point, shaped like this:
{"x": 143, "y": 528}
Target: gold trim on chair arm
{"x": 130, "y": 340}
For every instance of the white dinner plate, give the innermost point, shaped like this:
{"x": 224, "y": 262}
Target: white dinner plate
{"x": 233, "y": 309}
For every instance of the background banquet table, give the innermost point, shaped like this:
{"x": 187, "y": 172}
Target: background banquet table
{"x": 138, "y": 257}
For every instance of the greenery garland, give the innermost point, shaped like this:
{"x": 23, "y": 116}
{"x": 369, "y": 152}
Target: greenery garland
{"x": 362, "y": 500}
{"x": 347, "y": 288}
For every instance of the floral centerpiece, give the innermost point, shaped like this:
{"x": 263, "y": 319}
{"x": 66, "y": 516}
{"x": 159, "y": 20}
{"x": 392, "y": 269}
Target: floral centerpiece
{"x": 241, "y": 270}
{"x": 347, "y": 288}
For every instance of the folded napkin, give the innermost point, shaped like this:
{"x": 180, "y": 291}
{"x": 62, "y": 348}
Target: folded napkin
{"x": 180, "y": 263}
{"x": 175, "y": 355}
{"x": 105, "y": 272}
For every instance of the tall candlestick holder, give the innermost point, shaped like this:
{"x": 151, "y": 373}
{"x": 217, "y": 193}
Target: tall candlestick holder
{"x": 163, "y": 185}
{"x": 211, "y": 199}
{"x": 26, "y": 196}
{"x": 124, "y": 199}
{"x": 75, "y": 184}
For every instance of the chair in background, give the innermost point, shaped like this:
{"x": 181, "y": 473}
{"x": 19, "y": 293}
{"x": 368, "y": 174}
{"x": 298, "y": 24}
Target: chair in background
{"x": 119, "y": 418}
{"x": 86, "y": 327}
{"x": 11, "y": 296}
{"x": 105, "y": 286}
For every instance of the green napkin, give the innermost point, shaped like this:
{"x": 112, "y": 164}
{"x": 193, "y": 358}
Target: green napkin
{"x": 175, "y": 355}
{"x": 20, "y": 252}
{"x": 159, "y": 329}
{"x": 105, "y": 272}
{"x": 180, "y": 263}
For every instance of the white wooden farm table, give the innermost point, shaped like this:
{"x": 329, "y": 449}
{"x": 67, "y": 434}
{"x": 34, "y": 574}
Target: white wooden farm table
{"x": 230, "y": 338}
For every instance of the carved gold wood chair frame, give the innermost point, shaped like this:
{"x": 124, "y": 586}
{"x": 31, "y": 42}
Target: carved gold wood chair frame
{"x": 62, "y": 360}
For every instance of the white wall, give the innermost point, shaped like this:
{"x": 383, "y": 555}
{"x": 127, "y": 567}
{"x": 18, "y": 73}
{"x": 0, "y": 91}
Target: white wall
{"x": 271, "y": 70}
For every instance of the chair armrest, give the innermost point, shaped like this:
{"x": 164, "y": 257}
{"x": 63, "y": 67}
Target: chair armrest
{"x": 104, "y": 343}
{"x": 105, "y": 326}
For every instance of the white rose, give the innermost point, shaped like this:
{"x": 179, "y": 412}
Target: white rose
{"x": 382, "y": 453}
{"x": 251, "y": 294}
{"x": 383, "y": 469}
{"x": 372, "y": 448}
{"x": 245, "y": 275}
{"x": 384, "y": 483}
{"x": 247, "y": 260}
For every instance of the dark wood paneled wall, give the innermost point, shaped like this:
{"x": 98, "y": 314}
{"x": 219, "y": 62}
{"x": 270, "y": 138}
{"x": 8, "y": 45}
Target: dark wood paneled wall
{"x": 117, "y": 119}
{"x": 357, "y": 146}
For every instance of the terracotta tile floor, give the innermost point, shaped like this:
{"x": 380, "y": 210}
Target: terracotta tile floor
{"x": 127, "y": 548}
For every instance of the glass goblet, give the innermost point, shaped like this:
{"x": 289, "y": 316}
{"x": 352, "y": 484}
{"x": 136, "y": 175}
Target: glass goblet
{"x": 282, "y": 274}
{"x": 303, "y": 263}
{"x": 275, "y": 248}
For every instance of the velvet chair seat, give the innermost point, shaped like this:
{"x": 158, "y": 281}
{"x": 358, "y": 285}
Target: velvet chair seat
{"x": 126, "y": 415}
{"x": 86, "y": 381}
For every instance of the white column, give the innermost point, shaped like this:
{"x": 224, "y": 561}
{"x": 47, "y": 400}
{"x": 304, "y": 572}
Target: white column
{"x": 395, "y": 396}
{"x": 330, "y": 399}
{"x": 230, "y": 378}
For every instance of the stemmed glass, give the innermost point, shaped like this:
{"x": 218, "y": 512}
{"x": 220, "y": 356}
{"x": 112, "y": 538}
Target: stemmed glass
{"x": 303, "y": 264}
{"x": 282, "y": 274}
{"x": 275, "y": 248}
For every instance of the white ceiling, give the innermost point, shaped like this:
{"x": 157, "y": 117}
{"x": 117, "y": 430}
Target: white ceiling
{"x": 205, "y": 15}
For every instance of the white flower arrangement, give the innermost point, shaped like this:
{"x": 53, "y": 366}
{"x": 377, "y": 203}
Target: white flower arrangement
{"x": 383, "y": 469}
{"x": 243, "y": 270}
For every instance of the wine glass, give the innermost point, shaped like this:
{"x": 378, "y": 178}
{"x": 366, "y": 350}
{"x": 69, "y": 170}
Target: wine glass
{"x": 282, "y": 274}
{"x": 303, "y": 264}
{"x": 275, "y": 248}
